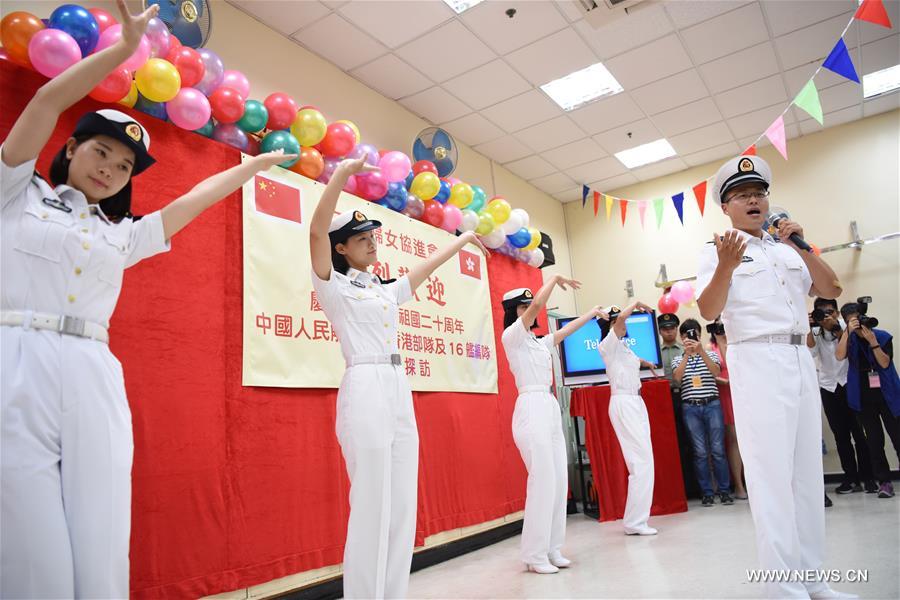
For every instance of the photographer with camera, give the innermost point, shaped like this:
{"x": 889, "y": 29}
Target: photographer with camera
{"x": 701, "y": 410}
{"x": 826, "y": 328}
{"x": 718, "y": 343}
{"x": 873, "y": 388}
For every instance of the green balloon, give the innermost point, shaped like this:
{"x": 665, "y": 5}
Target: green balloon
{"x": 206, "y": 130}
{"x": 478, "y": 199}
{"x": 255, "y": 116}
{"x": 281, "y": 140}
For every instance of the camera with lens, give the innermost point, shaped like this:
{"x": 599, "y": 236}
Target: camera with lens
{"x": 693, "y": 334}
{"x": 865, "y": 320}
{"x": 817, "y": 315}
{"x": 715, "y": 329}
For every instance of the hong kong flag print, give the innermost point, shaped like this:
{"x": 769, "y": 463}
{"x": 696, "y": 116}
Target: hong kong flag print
{"x": 277, "y": 199}
{"x": 470, "y": 264}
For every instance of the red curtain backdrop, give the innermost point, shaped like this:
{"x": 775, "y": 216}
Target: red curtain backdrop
{"x": 235, "y": 486}
{"x": 607, "y": 463}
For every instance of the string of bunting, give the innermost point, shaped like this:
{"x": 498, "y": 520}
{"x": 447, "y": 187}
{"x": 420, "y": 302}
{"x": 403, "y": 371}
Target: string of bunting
{"x": 838, "y": 61}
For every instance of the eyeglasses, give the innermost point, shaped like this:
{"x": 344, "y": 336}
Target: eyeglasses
{"x": 746, "y": 196}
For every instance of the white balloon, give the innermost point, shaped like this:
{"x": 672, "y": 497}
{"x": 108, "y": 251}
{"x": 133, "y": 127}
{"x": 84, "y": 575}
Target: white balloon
{"x": 537, "y": 258}
{"x": 494, "y": 239}
{"x": 512, "y": 224}
{"x": 523, "y": 215}
{"x": 469, "y": 221}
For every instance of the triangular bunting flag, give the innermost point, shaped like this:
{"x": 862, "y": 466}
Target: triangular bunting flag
{"x": 658, "y": 208}
{"x": 750, "y": 151}
{"x": 840, "y": 62}
{"x": 700, "y": 195}
{"x": 584, "y": 194}
{"x": 609, "y": 203}
{"x": 808, "y": 100}
{"x": 596, "y": 203}
{"x": 678, "y": 201}
{"x": 642, "y": 210}
{"x": 775, "y": 133}
{"x": 623, "y": 208}
{"x": 873, "y": 11}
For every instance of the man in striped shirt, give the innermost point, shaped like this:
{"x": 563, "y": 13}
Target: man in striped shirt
{"x": 697, "y": 370}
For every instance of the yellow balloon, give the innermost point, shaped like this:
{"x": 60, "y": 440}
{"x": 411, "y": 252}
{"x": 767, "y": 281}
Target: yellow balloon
{"x": 535, "y": 239}
{"x": 499, "y": 209}
{"x": 425, "y": 185}
{"x": 309, "y": 127}
{"x": 131, "y": 99}
{"x": 485, "y": 224}
{"x": 461, "y": 195}
{"x": 158, "y": 80}
{"x": 353, "y": 127}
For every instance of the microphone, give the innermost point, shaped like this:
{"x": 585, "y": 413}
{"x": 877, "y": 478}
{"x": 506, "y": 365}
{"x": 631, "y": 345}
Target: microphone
{"x": 774, "y": 219}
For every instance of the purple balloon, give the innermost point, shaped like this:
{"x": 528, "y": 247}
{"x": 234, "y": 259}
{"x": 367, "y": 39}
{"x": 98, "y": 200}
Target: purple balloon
{"x": 215, "y": 71}
{"x": 159, "y": 37}
{"x": 367, "y": 150}
{"x": 231, "y": 134}
{"x": 330, "y": 165}
{"x": 415, "y": 208}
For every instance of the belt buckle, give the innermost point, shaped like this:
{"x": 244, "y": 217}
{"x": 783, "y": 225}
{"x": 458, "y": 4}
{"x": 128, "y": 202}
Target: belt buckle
{"x": 72, "y": 326}
{"x": 796, "y": 339}
{"x": 395, "y": 360}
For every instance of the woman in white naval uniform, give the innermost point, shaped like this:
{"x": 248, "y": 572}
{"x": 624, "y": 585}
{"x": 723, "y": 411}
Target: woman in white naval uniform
{"x": 67, "y": 443}
{"x": 537, "y": 423}
{"x": 376, "y": 425}
{"x": 628, "y": 415}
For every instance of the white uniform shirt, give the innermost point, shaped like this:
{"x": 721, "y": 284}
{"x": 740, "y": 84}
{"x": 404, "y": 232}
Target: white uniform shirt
{"x": 363, "y": 311}
{"x": 60, "y": 262}
{"x": 768, "y": 290}
{"x": 623, "y": 366}
{"x": 530, "y": 358}
{"x": 830, "y": 371}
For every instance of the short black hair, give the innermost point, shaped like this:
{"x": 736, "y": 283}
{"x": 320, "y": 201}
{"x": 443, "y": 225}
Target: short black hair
{"x": 339, "y": 261}
{"x": 825, "y": 302}
{"x": 510, "y": 316}
{"x": 688, "y": 325}
{"x": 850, "y": 308}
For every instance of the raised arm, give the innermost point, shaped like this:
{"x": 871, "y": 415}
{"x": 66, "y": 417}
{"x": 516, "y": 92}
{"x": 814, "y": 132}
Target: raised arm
{"x": 619, "y": 326}
{"x": 730, "y": 249}
{"x": 418, "y": 274}
{"x": 573, "y": 326}
{"x": 543, "y": 294}
{"x": 34, "y": 126}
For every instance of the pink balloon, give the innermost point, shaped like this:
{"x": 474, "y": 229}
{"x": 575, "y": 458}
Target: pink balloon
{"x": 189, "y": 109}
{"x": 395, "y": 166}
{"x": 372, "y": 187}
{"x": 52, "y": 51}
{"x": 352, "y": 185}
{"x": 236, "y": 81}
{"x": 682, "y": 292}
{"x": 158, "y": 35}
{"x": 113, "y": 34}
{"x": 452, "y": 218}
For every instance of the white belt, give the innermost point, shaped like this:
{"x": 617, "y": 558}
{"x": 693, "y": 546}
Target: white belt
{"x": 525, "y": 389}
{"x": 59, "y": 323}
{"x": 793, "y": 339}
{"x": 374, "y": 359}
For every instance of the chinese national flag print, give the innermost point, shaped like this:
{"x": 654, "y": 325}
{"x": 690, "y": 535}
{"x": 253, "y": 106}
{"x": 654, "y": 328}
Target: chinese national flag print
{"x": 277, "y": 199}
{"x": 470, "y": 264}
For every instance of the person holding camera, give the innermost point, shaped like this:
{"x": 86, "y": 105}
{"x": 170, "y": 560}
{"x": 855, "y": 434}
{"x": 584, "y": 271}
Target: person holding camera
{"x": 873, "y": 388}
{"x": 701, "y": 410}
{"x": 826, "y": 328}
{"x": 718, "y": 343}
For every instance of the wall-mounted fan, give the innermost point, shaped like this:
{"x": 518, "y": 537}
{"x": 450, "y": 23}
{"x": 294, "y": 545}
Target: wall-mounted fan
{"x": 188, "y": 20}
{"x": 436, "y": 145}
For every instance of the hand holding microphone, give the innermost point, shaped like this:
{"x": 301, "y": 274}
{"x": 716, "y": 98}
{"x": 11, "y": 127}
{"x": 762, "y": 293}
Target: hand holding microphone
{"x": 789, "y": 231}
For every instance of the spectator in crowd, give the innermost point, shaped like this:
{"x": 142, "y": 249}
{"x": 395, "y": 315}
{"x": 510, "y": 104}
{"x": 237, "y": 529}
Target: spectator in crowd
{"x": 718, "y": 343}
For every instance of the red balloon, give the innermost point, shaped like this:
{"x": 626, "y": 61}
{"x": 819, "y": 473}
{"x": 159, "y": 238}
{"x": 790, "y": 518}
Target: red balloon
{"x": 227, "y": 105}
{"x": 115, "y": 87}
{"x": 338, "y": 141}
{"x": 424, "y": 166}
{"x": 174, "y": 43}
{"x": 282, "y": 110}
{"x": 189, "y": 64}
{"x": 667, "y": 304}
{"x": 434, "y": 213}
{"x": 104, "y": 19}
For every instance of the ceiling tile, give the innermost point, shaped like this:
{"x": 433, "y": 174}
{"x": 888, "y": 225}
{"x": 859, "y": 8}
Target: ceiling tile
{"x": 628, "y": 136}
{"x": 531, "y": 167}
{"x": 790, "y": 15}
{"x": 740, "y": 68}
{"x": 504, "y": 149}
{"x": 811, "y": 43}
{"x": 487, "y": 84}
{"x": 724, "y": 151}
{"x": 840, "y": 96}
{"x": 552, "y": 57}
{"x": 687, "y": 117}
{"x": 613, "y": 184}
{"x": 790, "y": 132}
{"x": 285, "y": 16}
{"x": 473, "y": 129}
{"x": 658, "y": 169}
{"x": 569, "y": 195}
{"x": 435, "y": 105}
{"x": 391, "y": 77}
{"x": 685, "y": 14}
{"x": 355, "y": 48}
{"x": 334, "y": 4}
{"x": 394, "y": 22}
{"x": 878, "y": 55}
{"x": 722, "y": 35}
{"x": 869, "y": 32}
{"x": 533, "y": 21}
{"x": 839, "y": 117}
{"x": 638, "y": 28}
{"x": 432, "y": 53}
{"x": 701, "y": 139}
{"x": 522, "y": 111}
{"x": 670, "y": 92}
{"x": 756, "y": 122}
{"x": 575, "y": 153}
{"x": 606, "y": 113}
{"x": 881, "y": 104}
{"x": 570, "y": 9}
{"x": 796, "y": 78}
{"x": 550, "y": 134}
{"x": 752, "y": 96}
{"x": 665, "y": 56}
{"x": 598, "y": 170}
{"x": 553, "y": 183}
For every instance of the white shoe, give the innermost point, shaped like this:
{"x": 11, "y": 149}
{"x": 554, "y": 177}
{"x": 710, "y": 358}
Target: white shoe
{"x": 543, "y": 569}
{"x": 558, "y": 560}
{"x": 830, "y": 593}
{"x": 643, "y": 530}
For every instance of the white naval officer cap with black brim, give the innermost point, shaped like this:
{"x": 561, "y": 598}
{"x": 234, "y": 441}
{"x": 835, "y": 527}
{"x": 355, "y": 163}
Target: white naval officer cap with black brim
{"x": 738, "y": 171}
{"x": 350, "y": 223}
{"x": 121, "y": 127}
{"x": 518, "y": 296}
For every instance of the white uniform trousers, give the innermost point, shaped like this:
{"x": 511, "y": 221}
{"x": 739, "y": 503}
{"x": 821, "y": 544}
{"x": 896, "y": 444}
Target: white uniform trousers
{"x": 538, "y": 434}
{"x": 632, "y": 426}
{"x": 777, "y": 413}
{"x": 65, "y": 468}
{"x": 376, "y": 427}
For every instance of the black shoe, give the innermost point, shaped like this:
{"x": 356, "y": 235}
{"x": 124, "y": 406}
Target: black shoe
{"x": 725, "y": 498}
{"x": 871, "y": 487}
{"x": 707, "y": 501}
{"x": 857, "y": 487}
{"x": 844, "y": 488}
{"x": 828, "y": 501}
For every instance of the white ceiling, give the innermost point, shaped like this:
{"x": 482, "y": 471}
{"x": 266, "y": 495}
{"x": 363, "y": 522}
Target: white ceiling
{"x": 708, "y": 75}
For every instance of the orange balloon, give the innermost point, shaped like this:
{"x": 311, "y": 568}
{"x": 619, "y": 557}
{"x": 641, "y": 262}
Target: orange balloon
{"x": 16, "y": 30}
{"x": 816, "y": 250}
{"x": 310, "y": 164}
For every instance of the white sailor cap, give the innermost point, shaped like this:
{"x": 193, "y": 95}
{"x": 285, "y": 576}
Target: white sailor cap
{"x": 738, "y": 171}
{"x": 518, "y": 296}
{"x": 347, "y": 224}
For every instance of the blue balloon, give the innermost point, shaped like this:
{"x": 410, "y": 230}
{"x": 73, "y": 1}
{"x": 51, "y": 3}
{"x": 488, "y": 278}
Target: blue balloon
{"x": 154, "y": 109}
{"x": 520, "y": 239}
{"x": 79, "y": 23}
{"x": 383, "y": 202}
{"x": 396, "y": 196}
{"x": 409, "y": 179}
{"x": 443, "y": 195}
